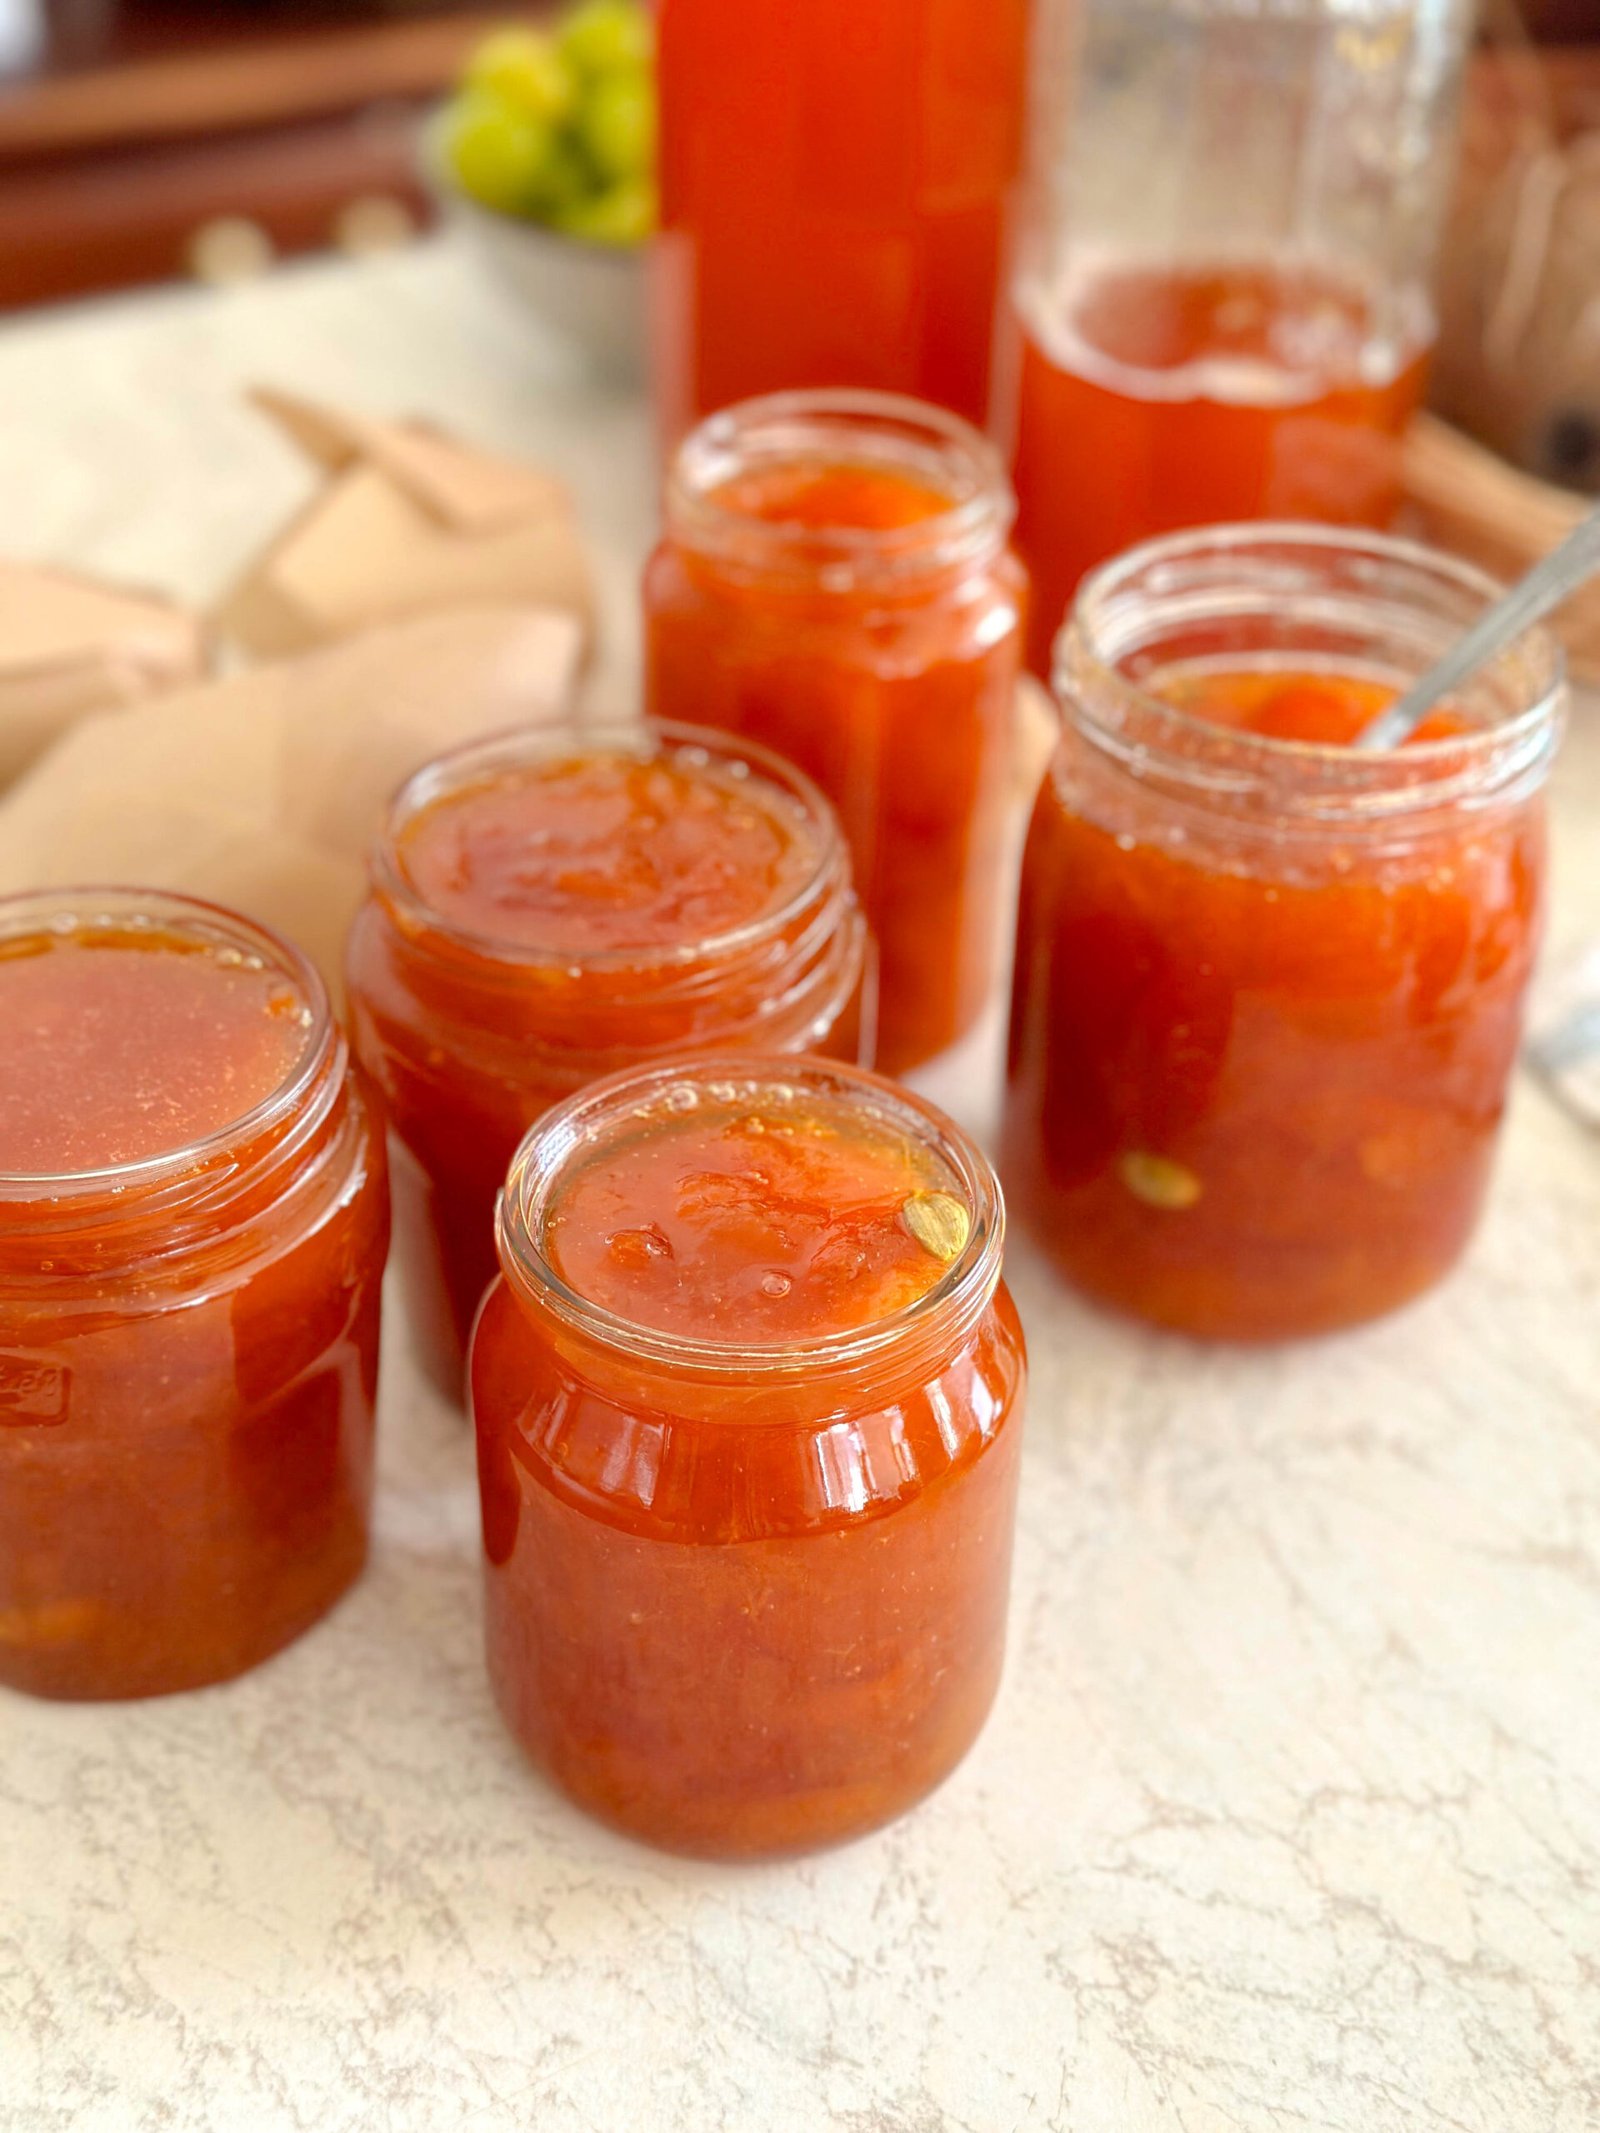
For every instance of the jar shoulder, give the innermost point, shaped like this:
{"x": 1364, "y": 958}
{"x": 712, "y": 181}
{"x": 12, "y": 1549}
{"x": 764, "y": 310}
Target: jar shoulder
{"x": 745, "y": 1465}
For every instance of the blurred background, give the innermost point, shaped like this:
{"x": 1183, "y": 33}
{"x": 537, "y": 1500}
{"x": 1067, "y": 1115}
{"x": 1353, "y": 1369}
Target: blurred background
{"x": 151, "y": 140}
{"x": 148, "y": 140}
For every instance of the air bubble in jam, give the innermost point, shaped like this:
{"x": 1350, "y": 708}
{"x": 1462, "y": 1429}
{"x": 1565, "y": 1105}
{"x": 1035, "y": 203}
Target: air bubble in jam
{"x": 638, "y": 1247}
{"x": 775, "y": 1284}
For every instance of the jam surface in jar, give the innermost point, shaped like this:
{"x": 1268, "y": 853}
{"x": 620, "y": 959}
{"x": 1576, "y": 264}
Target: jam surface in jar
{"x": 1164, "y": 399}
{"x": 547, "y": 908}
{"x": 589, "y": 854}
{"x": 118, "y": 1043}
{"x": 748, "y": 1407}
{"x": 834, "y": 582}
{"x": 1258, "y": 1063}
{"x": 193, "y": 1224}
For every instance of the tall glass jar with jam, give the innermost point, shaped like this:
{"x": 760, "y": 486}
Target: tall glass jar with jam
{"x": 834, "y": 580}
{"x": 1269, "y": 985}
{"x": 1222, "y": 304}
{"x": 836, "y": 186}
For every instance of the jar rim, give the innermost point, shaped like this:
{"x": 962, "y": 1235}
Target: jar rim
{"x": 520, "y": 747}
{"x": 1196, "y": 575}
{"x": 963, "y": 1289}
{"x": 82, "y": 905}
{"x": 859, "y": 427}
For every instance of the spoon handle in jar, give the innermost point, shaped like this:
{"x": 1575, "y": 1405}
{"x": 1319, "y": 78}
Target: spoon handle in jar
{"x": 1549, "y": 582}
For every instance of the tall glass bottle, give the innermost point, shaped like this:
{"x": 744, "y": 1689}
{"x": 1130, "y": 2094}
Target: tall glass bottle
{"x": 1222, "y": 305}
{"x": 835, "y": 188}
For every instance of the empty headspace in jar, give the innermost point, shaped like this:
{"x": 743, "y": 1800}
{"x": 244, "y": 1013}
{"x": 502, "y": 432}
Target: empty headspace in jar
{"x": 1240, "y": 662}
{"x": 837, "y": 481}
{"x": 134, "y": 1026}
{"x": 627, "y": 842}
{"x": 717, "y": 1204}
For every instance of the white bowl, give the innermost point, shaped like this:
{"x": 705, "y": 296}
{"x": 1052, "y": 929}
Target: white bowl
{"x": 592, "y": 295}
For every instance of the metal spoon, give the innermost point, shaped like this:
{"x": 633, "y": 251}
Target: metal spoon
{"x": 1549, "y": 582}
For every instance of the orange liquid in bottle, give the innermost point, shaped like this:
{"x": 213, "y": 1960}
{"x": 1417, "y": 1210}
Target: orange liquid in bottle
{"x": 1164, "y": 399}
{"x": 834, "y": 197}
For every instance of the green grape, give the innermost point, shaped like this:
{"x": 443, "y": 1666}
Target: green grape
{"x": 621, "y": 215}
{"x": 523, "y": 68}
{"x": 616, "y": 122}
{"x": 565, "y": 179}
{"x": 606, "y": 37}
{"x": 499, "y": 155}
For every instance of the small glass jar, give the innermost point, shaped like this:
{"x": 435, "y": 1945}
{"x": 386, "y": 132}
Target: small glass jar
{"x": 834, "y": 581}
{"x": 1269, "y": 988}
{"x": 1222, "y": 306}
{"x": 188, "y": 1341}
{"x": 474, "y": 1021}
{"x": 835, "y": 198}
{"x": 745, "y": 1595}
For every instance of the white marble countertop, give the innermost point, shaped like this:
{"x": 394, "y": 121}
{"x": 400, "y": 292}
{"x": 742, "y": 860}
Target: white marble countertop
{"x": 1288, "y": 1816}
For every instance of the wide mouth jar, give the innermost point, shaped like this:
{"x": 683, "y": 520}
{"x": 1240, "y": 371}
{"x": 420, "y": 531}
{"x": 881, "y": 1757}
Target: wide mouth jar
{"x": 799, "y": 960}
{"x": 726, "y": 485}
{"x": 627, "y": 1106}
{"x": 161, "y": 1205}
{"x": 1308, "y": 600}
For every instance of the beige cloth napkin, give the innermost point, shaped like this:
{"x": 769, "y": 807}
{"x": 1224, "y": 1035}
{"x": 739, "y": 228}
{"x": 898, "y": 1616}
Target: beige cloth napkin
{"x": 407, "y": 521}
{"x": 263, "y": 790}
{"x": 70, "y": 647}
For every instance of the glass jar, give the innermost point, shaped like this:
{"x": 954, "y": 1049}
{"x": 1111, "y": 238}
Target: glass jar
{"x": 537, "y": 957}
{"x": 835, "y": 195}
{"x": 746, "y": 1584}
{"x": 834, "y": 581}
{"x": 1223, "y": 308}
{"x": 189, "y": 1336}
{"x": 1269, "y": 986}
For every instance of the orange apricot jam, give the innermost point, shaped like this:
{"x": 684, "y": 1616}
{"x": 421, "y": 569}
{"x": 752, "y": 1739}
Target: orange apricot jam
{"x": 834, "y": 581}
{"x": 1269, "y": 987}
{"x": 552, "y": 905}
{"x": 193, "y": 1224}
{"x": 748, "y": 1404}
{"x": 1152, "y": 399}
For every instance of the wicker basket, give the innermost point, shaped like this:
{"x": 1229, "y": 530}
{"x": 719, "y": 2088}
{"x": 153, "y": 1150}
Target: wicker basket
{"x": 1463, "y": 497}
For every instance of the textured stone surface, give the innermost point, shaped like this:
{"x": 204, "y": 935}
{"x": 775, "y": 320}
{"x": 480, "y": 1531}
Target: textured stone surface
{"x": 1288, "y": 1818}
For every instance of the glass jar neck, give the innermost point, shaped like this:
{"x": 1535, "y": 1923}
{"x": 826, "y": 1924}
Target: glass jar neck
{"x": 160, "y": 1212}
{"x": 791, "y": 970}
{"x": 1301, "y": 599}
{"x": 800, "y": 1381}
{"x": 793, "y": 433}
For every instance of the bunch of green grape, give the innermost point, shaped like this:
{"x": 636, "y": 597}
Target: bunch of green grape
{"x": 559, "y": 125}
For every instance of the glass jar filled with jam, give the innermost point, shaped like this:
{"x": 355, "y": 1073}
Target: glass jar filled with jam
{"x": 748, "y": 1404}
{"x": 193, "y": 1223}
{"x": 1269, "y": 985}
{"x": 1222, "y": 307}
{"x": 834, "y": 581}
{"x": 835, "y": 197}
{"x": 549, "y": 906}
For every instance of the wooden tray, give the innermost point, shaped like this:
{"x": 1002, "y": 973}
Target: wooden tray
{"x": 1463, "y": 497}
